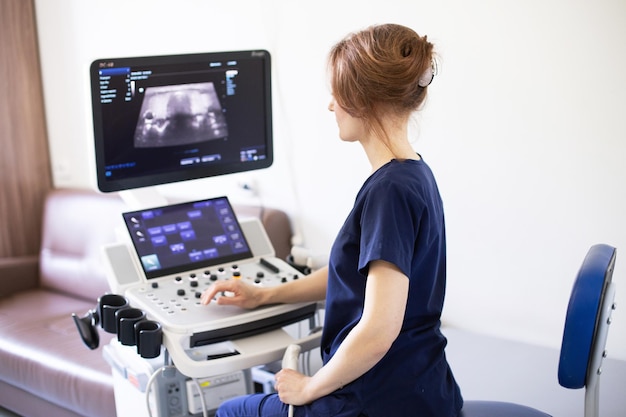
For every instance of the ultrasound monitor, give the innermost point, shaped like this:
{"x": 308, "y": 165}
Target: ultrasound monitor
{"x": 164, "y": 119}
{"x": 191, "y": 235}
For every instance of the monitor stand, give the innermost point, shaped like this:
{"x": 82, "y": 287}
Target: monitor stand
{"x": 143, "y": 198}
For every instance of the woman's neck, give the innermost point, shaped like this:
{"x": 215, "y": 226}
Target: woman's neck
{"x": 380, "y": 151}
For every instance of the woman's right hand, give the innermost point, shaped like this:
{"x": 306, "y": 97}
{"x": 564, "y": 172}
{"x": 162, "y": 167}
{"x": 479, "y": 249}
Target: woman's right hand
{"x": 239, "y": 294}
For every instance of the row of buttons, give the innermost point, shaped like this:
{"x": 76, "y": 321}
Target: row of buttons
{"x": 186, "y": 295}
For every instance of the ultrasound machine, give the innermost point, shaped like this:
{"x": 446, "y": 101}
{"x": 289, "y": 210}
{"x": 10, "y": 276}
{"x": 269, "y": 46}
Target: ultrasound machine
{"x": 165, "y": 119}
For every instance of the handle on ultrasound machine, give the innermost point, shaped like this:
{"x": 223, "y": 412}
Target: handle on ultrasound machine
{"x": 290, "y": 361}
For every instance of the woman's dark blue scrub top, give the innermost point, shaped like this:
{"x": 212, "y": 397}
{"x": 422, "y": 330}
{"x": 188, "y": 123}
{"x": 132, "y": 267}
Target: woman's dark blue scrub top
{"x": 397, "y": 217}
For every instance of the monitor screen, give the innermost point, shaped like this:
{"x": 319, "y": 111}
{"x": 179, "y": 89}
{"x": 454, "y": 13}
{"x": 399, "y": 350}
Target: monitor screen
{"x": 186, "y": 236}
{"x": 164, "y": 119}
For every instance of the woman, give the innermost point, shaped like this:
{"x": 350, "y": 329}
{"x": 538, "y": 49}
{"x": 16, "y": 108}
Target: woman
{"x": 382, "y": 350}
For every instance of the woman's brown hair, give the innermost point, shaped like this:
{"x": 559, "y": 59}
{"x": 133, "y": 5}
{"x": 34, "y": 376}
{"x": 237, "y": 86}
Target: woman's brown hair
{"x": 380, "y": 71}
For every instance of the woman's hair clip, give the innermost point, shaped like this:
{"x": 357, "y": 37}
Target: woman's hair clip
{"x": 428, "y": 75}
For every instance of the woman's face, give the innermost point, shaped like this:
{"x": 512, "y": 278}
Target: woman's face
{"x": 351, "y": 129}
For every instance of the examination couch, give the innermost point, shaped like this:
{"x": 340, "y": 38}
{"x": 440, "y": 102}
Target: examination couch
{"x": 45, "y": 369}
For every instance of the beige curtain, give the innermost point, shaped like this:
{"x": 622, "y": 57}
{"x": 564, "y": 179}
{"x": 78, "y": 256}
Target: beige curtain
{"x": 24, "y": 163}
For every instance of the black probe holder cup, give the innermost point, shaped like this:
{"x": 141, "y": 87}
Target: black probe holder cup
{"x": 126, "y": 320}
{"x": 149, "y": 337}
{"x": 108, "y": 306}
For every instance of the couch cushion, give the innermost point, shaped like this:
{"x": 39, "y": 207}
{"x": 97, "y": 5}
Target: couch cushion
{"x": 42, "y": 353}
{"x": 77, "y": 223}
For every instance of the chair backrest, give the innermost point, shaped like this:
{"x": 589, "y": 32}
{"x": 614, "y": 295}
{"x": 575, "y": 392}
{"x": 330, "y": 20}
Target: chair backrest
{"x": 587, "y": 320}
{"x": 76, "y": 224}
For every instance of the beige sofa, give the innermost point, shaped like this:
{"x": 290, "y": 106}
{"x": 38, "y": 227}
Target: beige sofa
{"x": 45, "y": 369}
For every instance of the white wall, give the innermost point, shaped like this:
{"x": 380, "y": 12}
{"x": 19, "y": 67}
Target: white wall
{"x": 524, "y": 128}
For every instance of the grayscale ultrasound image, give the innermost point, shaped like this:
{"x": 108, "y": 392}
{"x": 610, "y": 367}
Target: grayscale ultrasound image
{"x": 179, "y": 115}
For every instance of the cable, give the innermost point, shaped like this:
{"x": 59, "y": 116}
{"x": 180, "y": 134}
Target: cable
{"x": 153, "y": 378}
{"x": 202, "y": 402}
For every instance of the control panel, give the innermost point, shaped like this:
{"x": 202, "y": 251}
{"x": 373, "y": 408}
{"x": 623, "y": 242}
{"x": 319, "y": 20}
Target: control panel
{"x": 175, "y": 300}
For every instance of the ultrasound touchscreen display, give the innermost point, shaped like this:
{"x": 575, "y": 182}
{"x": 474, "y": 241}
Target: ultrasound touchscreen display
{"x": 181, "y": 237}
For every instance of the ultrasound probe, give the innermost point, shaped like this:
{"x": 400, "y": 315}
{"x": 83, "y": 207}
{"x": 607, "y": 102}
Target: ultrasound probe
{"x": 290, "y": 361}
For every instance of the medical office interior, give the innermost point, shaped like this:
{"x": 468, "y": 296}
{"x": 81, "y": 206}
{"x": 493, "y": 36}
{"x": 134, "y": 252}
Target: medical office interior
{"x": 523, "y": 128}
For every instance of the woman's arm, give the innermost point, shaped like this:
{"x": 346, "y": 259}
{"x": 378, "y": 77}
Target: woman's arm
{"x": 386, "y": 296}
{"x": 308, "y": 288}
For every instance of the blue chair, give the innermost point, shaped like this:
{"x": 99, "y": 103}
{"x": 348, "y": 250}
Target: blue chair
{"x": 584, "y": 338}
